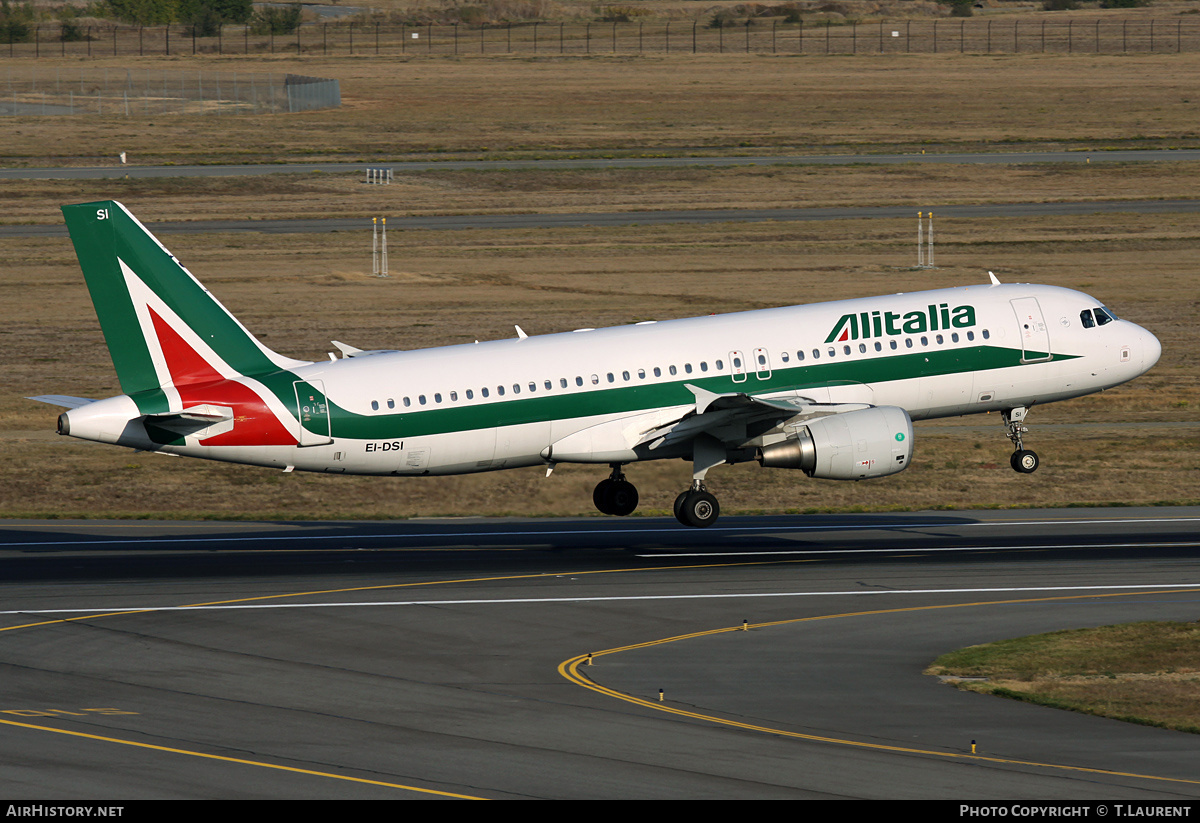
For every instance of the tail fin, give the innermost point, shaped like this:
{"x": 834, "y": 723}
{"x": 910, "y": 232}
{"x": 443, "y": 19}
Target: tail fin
{"x": 162, "y": 327}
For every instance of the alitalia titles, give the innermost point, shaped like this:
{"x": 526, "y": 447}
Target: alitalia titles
{"x": 869, "y": 324}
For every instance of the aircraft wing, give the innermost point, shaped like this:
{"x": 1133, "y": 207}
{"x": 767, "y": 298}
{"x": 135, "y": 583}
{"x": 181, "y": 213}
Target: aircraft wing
{"x": 726, "y": 416}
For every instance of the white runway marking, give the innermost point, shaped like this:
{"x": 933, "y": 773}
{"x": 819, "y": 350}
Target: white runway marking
{"x": 598, "y": 599}
{"x": 909, "y": 551}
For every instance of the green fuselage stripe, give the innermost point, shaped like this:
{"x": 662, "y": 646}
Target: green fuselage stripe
{"x": 629, "y": 399}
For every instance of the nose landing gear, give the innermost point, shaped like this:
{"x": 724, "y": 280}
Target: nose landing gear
{"x": 1023, "y": 460}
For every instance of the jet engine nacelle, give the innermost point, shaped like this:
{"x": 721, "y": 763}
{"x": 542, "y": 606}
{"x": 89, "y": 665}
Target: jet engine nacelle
{"x": 855, "y": 445}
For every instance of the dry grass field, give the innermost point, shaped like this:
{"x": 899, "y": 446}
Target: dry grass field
{"x": 499, "y": 106}
{"x": 1139, "y": 672}
{"x": 1137, "y": 444}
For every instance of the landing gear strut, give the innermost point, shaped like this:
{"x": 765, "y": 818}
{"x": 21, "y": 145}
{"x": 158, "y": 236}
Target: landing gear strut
{"x": 615, "y": 494}
{"x": 696, "y": 507}
{"x": 1023, "y": 460}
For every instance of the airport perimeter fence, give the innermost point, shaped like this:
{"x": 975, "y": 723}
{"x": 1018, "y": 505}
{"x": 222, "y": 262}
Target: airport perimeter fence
{"x": 38, "y": 90}
{"x": 976, "y": 36}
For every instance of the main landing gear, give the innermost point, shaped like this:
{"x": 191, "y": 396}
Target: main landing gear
{"x": 1023, "y": 460}
{"x": 696, "y": 507}
{"x": 615, "y": 495}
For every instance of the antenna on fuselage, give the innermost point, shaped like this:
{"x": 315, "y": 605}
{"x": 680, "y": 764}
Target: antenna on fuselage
{"x": 995, "y": 279}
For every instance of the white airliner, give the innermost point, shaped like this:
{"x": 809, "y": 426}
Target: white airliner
{"x": 830, "y": 389}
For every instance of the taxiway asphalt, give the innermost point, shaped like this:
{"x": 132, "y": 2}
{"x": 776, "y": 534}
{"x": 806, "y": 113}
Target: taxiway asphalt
{"x": 448, "y": 657}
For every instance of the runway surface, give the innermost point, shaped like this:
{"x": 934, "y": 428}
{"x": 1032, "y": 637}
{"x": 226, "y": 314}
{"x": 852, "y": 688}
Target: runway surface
{"x": 448, "y": 658}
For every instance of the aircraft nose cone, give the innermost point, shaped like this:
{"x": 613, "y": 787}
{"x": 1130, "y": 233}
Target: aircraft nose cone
{"x": 1151, "y": 350}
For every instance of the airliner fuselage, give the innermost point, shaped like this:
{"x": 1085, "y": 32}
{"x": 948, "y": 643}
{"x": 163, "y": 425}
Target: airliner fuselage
{"x": 830, "y": 388}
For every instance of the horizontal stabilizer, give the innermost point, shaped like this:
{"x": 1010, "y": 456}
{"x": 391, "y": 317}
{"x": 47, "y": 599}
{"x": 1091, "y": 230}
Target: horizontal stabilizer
{"x": 203, "y": 414}
{"x": 62, "y": 400}
{"x": 194, "y": 420}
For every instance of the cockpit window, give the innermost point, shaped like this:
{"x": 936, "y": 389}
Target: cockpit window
{"x": 1104, "y": 316}
{"x": 1086, "y": 318}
